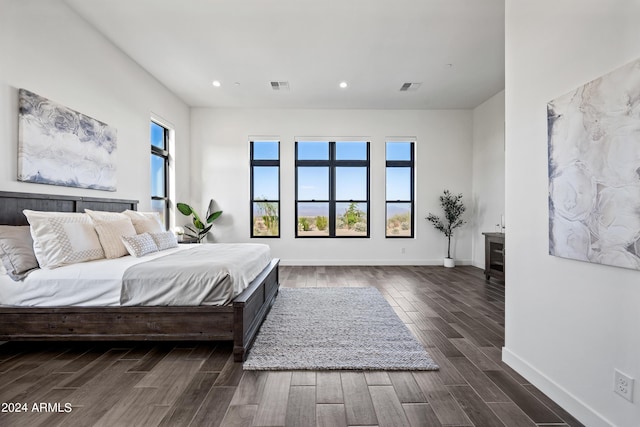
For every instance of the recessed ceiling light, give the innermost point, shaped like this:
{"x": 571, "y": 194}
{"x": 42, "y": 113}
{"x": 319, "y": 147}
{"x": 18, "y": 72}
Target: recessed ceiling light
{"x": 343, "y": 85}
{"x": 216, "y": 83}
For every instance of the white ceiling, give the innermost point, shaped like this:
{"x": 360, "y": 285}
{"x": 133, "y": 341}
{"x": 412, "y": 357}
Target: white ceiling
{"x": 374, "y": 45}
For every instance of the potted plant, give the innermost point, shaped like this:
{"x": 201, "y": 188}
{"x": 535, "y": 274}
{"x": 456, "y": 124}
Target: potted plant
{"x": 199, "y": 229}
{"x": 453, "y": 209}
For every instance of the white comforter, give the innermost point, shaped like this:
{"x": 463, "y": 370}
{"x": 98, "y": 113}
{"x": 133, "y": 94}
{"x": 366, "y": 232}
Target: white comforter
{"x": 205, "y": 275}
{"x": 88, "y": 284}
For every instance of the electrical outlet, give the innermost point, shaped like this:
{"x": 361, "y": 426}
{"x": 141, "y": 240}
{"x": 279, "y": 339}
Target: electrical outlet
{"x": 402, "y": 251}
{"x": 623, "y": 385}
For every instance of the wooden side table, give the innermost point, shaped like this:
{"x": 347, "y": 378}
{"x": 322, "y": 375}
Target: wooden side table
{"x": 187, "y": 240}
{"x": 494, "y": 256}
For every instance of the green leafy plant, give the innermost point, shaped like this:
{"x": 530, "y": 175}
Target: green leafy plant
{"x": 322, "y": 222}
{"x": 304, "y": 224}
{"x": 199, "y": 229}
{"x": 352, "y": 216}
{"x": 453, "y": 209}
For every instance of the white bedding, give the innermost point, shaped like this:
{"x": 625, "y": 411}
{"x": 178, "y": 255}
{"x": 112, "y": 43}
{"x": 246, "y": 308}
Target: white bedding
{"x": 205, "y": 275}
{"x": 88, "y": 284}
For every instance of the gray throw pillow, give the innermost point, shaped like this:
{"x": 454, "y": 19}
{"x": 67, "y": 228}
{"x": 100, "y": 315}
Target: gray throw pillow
{"x": 16, "y": 251}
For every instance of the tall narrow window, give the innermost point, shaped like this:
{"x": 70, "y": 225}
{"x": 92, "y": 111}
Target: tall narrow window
{"x": 265, "y": 188}
{"x": 400, "y": 189}
{"x": 160, "y": 171}
{"x": 332, "y": 189}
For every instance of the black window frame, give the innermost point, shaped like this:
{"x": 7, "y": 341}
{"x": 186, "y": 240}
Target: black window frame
{"x": 401, "y": 164}
{"x": 332, "y": 164}
{"x": 268, "y": 163}
{"x": 163, "y": 152}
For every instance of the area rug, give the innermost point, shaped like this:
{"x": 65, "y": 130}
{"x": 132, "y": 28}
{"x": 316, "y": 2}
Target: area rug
{"x": 335, "y": 328}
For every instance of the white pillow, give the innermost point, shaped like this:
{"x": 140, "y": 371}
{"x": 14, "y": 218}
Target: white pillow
{"x": 105, "y": 215}
{"x": 3, "y": 271}
{"x": 61, "y": 238}
{"x": 110, "y": 234}
{"x": 140, "y": 244}
{"x": 16, "y": 251}
{"x": 145, "y": 222}
{"x": 164, "y": 240}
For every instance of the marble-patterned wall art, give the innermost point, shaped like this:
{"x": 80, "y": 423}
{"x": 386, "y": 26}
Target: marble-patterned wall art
{"x": 59, "y": 146}
{"x": 594, "y": 170}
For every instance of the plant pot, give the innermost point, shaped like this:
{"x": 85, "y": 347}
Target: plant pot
{"x": 449, "y": 262}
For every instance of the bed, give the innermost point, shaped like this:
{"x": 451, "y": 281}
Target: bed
{"x": 237, "y": 321}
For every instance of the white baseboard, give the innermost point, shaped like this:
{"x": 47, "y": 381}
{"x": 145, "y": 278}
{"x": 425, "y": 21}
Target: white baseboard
{"x": 478, "y": 264}
{"x": 570, "y": 403}
{"x": 355, "y": 262}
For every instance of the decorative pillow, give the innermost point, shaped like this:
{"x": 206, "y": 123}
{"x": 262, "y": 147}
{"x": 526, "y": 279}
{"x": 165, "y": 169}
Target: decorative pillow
{"x": 105, "y": 215}
{"x": 164, "y": 240}
{"x": 61, "y": 238}
{"x": 110, "y": 234}
{"x": 145, "y": 222}
{"x": 16, "y": 251}
{"x": 3, "y": 271}
{"x": 140, "y": 244}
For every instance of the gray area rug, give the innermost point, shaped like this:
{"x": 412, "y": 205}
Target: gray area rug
{"x": 335, "y": 328}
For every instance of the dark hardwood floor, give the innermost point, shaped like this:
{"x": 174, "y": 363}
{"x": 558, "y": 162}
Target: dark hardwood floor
{"x": 456, "y": 314}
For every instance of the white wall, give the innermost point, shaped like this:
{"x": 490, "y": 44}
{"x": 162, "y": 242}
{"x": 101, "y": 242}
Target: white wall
{"x": 488, "y": 172}
{"x": 48, "y": 49}
{"x": 568, "y": 323}
{"x": 220, "y": 146}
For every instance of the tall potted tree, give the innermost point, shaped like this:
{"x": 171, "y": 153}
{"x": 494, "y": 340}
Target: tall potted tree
{"x": 453, "y": 209}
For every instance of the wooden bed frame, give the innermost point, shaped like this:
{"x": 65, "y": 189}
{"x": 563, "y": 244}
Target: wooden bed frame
{"x": 239, "y": 321}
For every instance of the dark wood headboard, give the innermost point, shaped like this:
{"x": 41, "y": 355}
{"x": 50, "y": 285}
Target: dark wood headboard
{"x": 12, "y": 204}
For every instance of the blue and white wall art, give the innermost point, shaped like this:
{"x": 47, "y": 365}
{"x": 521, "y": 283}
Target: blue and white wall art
{"x": 59, "y": 146}
{"x": 594, "y": 170}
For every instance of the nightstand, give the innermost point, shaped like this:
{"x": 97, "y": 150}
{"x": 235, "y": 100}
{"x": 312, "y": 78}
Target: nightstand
{"x": 187, "y": 240}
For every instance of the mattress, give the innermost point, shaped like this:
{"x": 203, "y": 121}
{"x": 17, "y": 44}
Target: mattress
{"x": 99, "y": 283}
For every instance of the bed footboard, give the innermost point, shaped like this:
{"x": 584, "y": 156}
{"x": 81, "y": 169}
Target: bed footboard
{"x": 251, "y": 307}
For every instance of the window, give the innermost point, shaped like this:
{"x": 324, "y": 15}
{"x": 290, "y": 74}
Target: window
{"x": 400, "y": 189}
{"x": 265, "y": 188}
{"x": 160, "y": 171}
{"x": 332, "y": 189}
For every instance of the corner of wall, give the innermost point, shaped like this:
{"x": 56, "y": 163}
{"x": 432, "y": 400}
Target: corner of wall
{"x": 488, "y": 171}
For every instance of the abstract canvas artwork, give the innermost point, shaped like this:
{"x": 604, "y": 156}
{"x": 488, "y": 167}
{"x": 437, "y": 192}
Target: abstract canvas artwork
{"x": 594, "y": 170}
{"x": 59, "y": 146}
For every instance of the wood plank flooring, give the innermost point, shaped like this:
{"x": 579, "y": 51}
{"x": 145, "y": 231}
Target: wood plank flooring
{"x": 456, "y": 315}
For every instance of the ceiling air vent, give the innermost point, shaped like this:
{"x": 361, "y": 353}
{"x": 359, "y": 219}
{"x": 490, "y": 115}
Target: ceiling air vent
{"x": 406, "y": 87}
{"x": 280, "y": 85}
